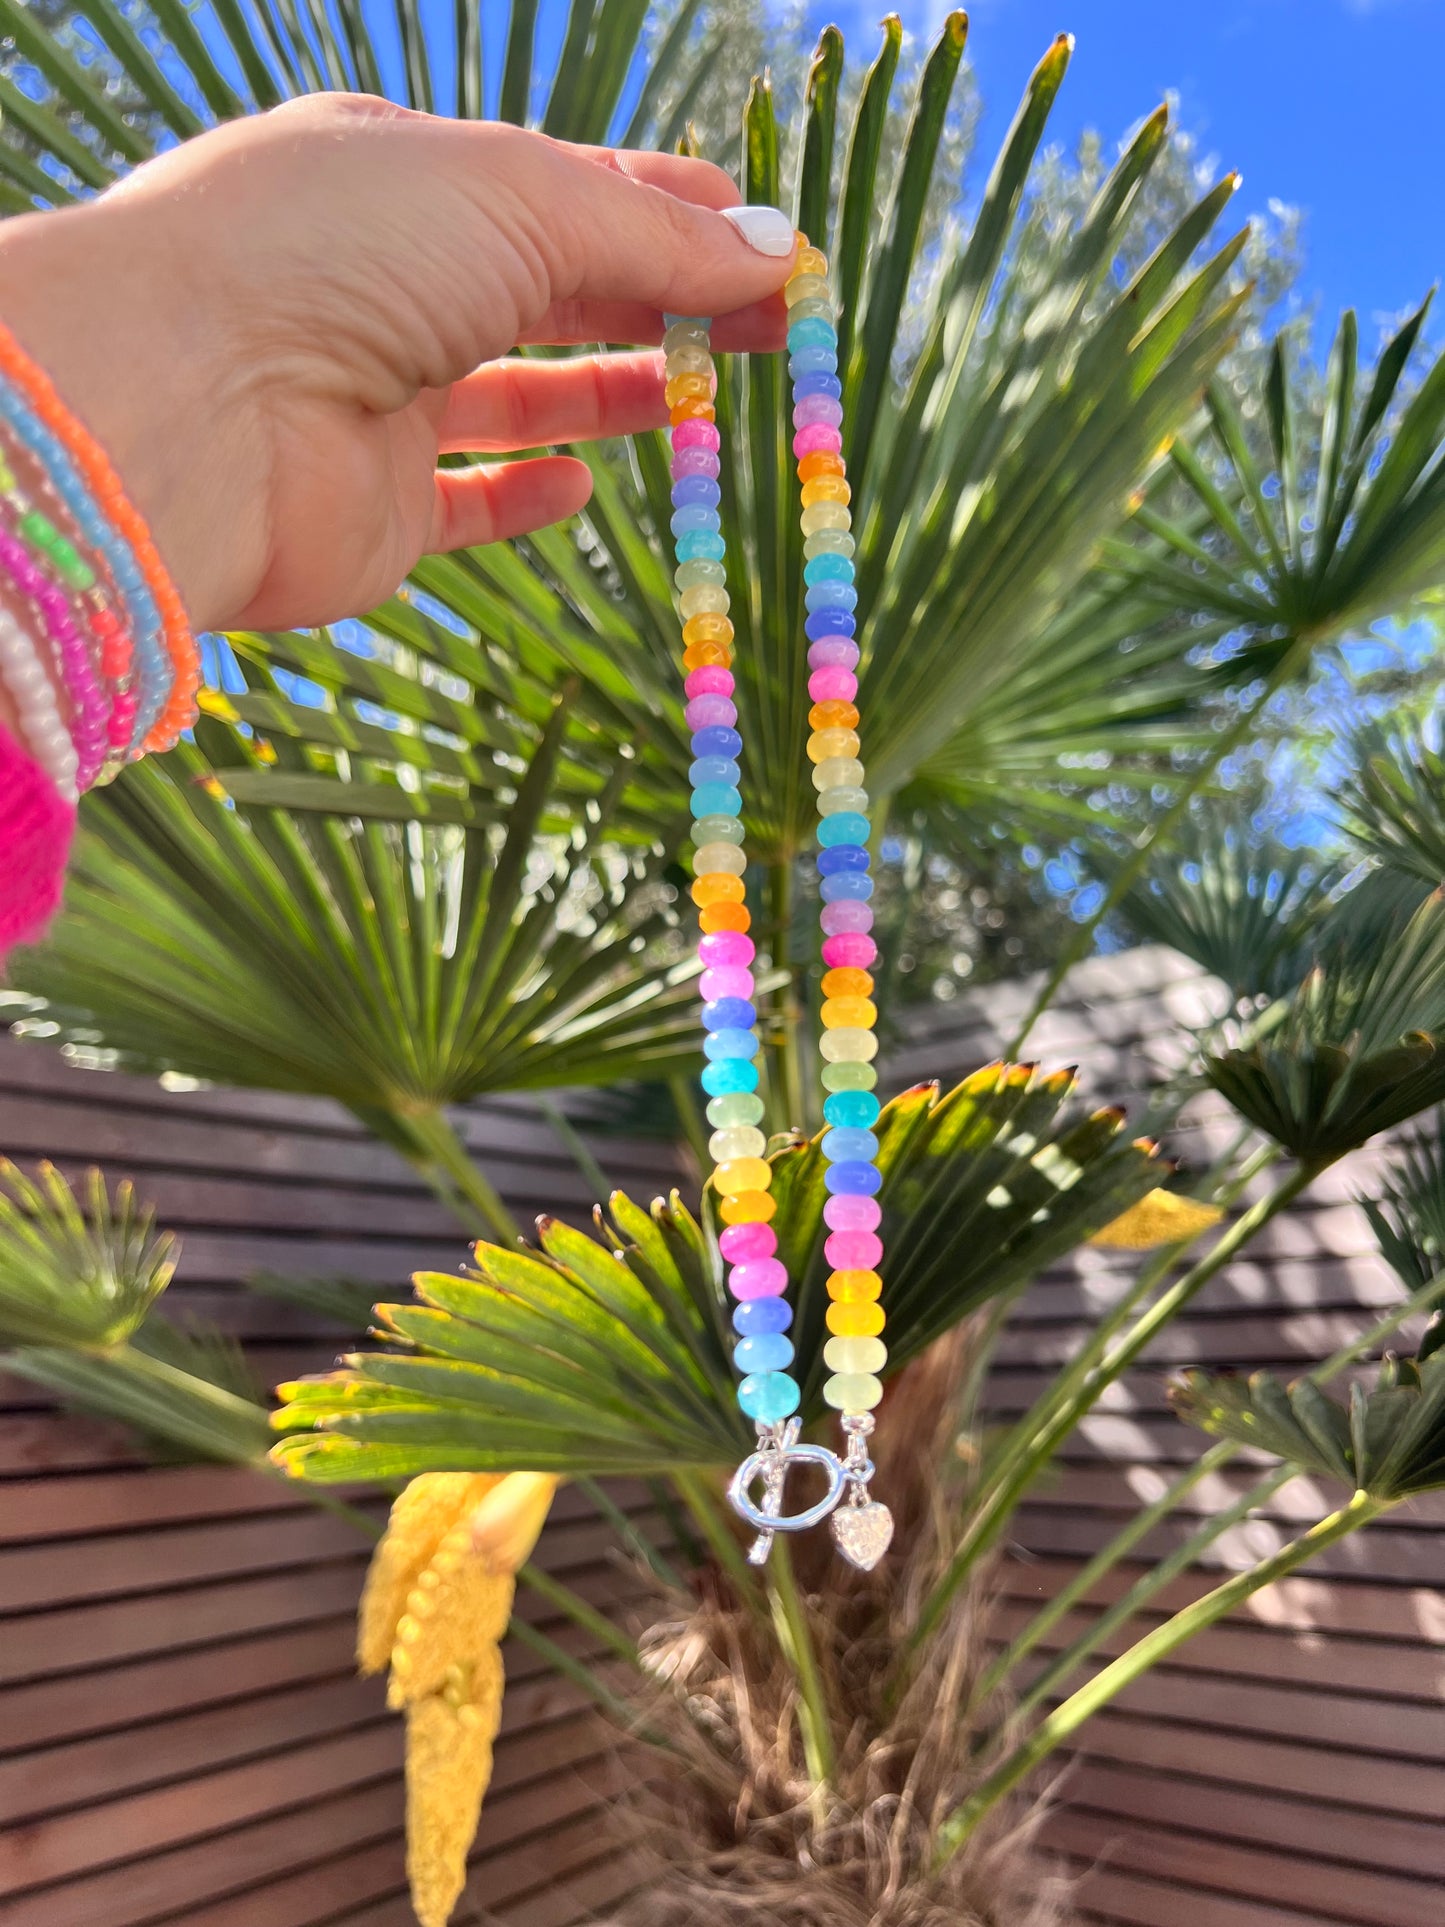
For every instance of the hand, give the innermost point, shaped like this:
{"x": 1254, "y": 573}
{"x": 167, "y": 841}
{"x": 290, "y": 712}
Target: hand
{"x": 276, "y": 328}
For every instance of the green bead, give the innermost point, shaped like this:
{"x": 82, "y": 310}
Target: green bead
{"x": 816, "y": 307}
{"x": 829, "y": 542}
{"x": 717, "y": 829}
{"x": 689, "y": 574}
{"x": 849, "y": 1075}
{"x": 73, "y": 568}
{"x": 855, "y": 1355}
{"x": 853, "y": 1391}
{"x": 740, "y": 1108}
{"x": 35, "y": 528}
{"x": 843, "y": 800}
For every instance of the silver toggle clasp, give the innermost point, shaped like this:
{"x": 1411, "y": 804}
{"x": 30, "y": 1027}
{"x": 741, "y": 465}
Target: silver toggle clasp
{"x": 779, "y": 1448}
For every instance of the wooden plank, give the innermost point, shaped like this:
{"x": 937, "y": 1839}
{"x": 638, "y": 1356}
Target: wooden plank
{"x": 1112, "y": 1897}
{"x": 49, "y": 1441}
{"x": 78, "y": 1505}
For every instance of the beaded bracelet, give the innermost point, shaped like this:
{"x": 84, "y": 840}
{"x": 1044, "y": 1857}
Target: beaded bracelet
{"x": 757, "y": 1279}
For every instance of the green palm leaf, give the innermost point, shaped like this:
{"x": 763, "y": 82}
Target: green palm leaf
{"x": 1408, "y": 1217}
{"x": 1393, "y": 802}
{"x": 73, "y": 1274}
{"x": 611, "y": 1352}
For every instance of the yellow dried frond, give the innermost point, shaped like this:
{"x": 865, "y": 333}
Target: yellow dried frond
{"x": 506, "y": 1524}
{"x": 1159, "y": 1218}
{"x": 448, "y": 1766}
{"x": 421, "y": 1518}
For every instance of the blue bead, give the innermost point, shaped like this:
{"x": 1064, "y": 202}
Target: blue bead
{"x": 762, "y": 1315}
{"x": 716, "y": 799}
{"x": 852, "y": 1179}
{"x": 686, "y": 521}
{"x": 700, "y": 546}
{"x": 813, "y": 361}
{"x": 832, "y": 595}
{"x": 830, "y": 622}
{"x": 763, "y": 1352}
{"x": 849, "y": 1145}
{"x": 847, "y": 856}
{"x": 730, "y": 1043}
{"x": 852, "y": 1110}
{"x": 828, "y": 568}
{"x": 850, "y": 886}
{"x": 812, "y": 332}
{"x": 769, "y": 1396}
{"x": 848, "y": 826}
{"x": 671, "y": 320}
{"x": 696, "y": 491}
{"x": 718, "y": 741}
{"x": 713, "y": 769}
{"x": 729, "y": 1013}
{"x": 731, "y": 1074}
{"x": 828, "y": 385}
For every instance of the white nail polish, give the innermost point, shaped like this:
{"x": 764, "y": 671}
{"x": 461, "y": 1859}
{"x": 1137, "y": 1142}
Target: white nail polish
{"x": 767, "y": 229}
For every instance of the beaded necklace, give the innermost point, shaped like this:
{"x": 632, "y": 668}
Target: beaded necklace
{"x": 855, "y": 1354}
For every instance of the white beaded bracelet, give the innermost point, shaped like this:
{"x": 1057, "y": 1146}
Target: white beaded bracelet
{"x": 41, "y": 723}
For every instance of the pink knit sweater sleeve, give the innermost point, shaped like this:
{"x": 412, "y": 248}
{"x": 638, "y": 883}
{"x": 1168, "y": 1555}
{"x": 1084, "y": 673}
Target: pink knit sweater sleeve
{"x": 36, "y": 826}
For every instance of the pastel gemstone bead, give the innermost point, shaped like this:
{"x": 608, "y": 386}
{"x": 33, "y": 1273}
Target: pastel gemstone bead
{"x": 743, "y": 1174}
{"x": 854, "y": 1321}
{"x": 713, "y": 769}
{"x": 816, "y": 436}
{"x": 838, "y": 773}
{"x": 824, "y": 515}
{"x": 848, "y": 1046}
{"x": 850, "y": 887}
{"x": 710, "y": 680}
{"x": 829, "y": 622}
{"x": 722, "y": 1044}
{"x": 718, "y": 829}
{"x": 743, "y": 1244}
{"x": 727, "y": 980}
{"x": 721, "y": 1079}
{"x": 729, "y": 949}
{"x": 835, "y": 597}
{"x": 846, "y": 1145}
{"x": 833, "y": 745}
{"x": 854, "y": 1250}
{"x": 761, "y": 1278}
{"x": 694, "y": 520}
{"x": 710, "y": 712}
{"x": 855, "y": 1355}
{"x": 828, "y": 568}
{"x": 700, "y": 545}
{"x": 704, "y": 599}
{"x": 810, "y": 330}
{"x": 729, "y": 1013}
{"x": 695, "y": 461}
{"x": 817, "y": 408}
{"x": 854, "y": 1287}
{"x": 760, "y": 1314}
{"x": 828, "y": 542}
{"x": 849, "y": 949}
{"x": 818, "y": 385}
{"x": 844, "y": 827}
{"x": 853, "y": 1391}
{"x": 696, "y": 434}
{"x": 808, "y": 287}
{"x": 740, "y": 1141}
{"x": 688, "y": 575}
{"x": 852, "y": 1213}
{"x": 719, "y": 859}
{"x": 850, "y": 1076}
{"x": 852, "y": 1110}
{"x": 849, "y": 1013}
{"x": 836, "y": 917}
{"x": 739, "y": 1108}
{"x": 844, "y": 857}
{"x": 763, "y": 1352}
{"x": 749, "y": 1207}
{"x": 857, "y": 1180}
{"x": 834, "y": 681}
{"x": 769, "y": 1397}
{"x": 813, "y": 361}
{"x": 717, "y": 888}
{"x": 716, "y": 799}
{"x": 718, "y": 740}
{"x": 696, "y": 491}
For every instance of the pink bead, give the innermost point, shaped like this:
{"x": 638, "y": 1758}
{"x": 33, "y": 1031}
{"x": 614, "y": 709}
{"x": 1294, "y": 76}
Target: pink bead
{"x": 695, "y": 461}
{"x": 846, "y": 1213}
{"x": 846, "y": 916}
{"x": 832, "y": 685}
{"x": 849, "y": 950}
{"x": 741, "y": 1244}
{"x": 853, "y": 1251}
{"x": 710, "y": 682}
{"x": 726, "y": 949}
{"x": 817, "y": 408}
{"x": 695, "y": 433}
{"x": 711, "y": 712}
{"x": 727, "y": 981}
{"x": 763, "y": 1278}
{"x": 817, "y": 439}
{"x": 833, "y": 652}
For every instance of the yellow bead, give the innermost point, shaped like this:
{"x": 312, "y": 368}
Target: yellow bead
{"x": 849, "y": 1013}
{"x": 742, "y": 1141}
{"x": 848, "y": 1046}
{"x": 705, "y": 600}
{"x": 719, "y": 859}
{"x": 846, "y": 982}
{"x": 717, "y": 889}
{"x": 738, "y": 1175}
{"x": 680, "y": 387}
{"x": 820, "y": 515}
{"x": 810, "y": 260}
{"x": 854, "y": 1287}
{"x": 838, "y": 773}
{"x": 853, "y": 1392}
{"x": 707, "y": 629}
{"x": 855, "y": 1354}
{"x": 689, "y": 361}
{"x": 824, "y": 744}
{"x": 750, "y": 1207}
{"x": 806, "y": 287}
{"x": 825, "y": 488}
{"x": 854, "y": 1321}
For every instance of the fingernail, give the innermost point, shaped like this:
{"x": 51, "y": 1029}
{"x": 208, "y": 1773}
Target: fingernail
{"x": 767, "y": 229}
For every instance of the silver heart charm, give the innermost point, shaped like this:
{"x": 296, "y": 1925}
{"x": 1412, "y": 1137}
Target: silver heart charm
{"x": 862, "y": 1533}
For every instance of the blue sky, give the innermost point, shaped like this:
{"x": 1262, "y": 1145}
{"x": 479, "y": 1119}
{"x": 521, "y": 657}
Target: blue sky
{"x": 1332, "y": 105}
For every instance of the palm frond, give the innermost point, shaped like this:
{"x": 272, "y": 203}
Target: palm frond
{"x": 1408, "y": 1216}
{"x": 73, "y": 1271}
{"x": 1393, "y": 802}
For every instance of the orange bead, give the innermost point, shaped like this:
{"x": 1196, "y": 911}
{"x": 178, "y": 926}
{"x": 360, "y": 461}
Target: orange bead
{"x": 854, "y": 1287}
{"x": 691, "y": 409}
{"x": 825, "y": 488}
{"x": 833, "y": 715}
{"x": 847, "y": 1320}
{"x": 821, "y": 462}
{"x": 716, "y": 888}
{"x": 725, "y": 916}
{"x": 809, "y": 260}
{"x": 688, "y": 388}
{"x": 708, "y": 628}
{"x": 847, "y": 983}
{"x": 748, "y": 1207}
{"x": 707, "y": 655}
